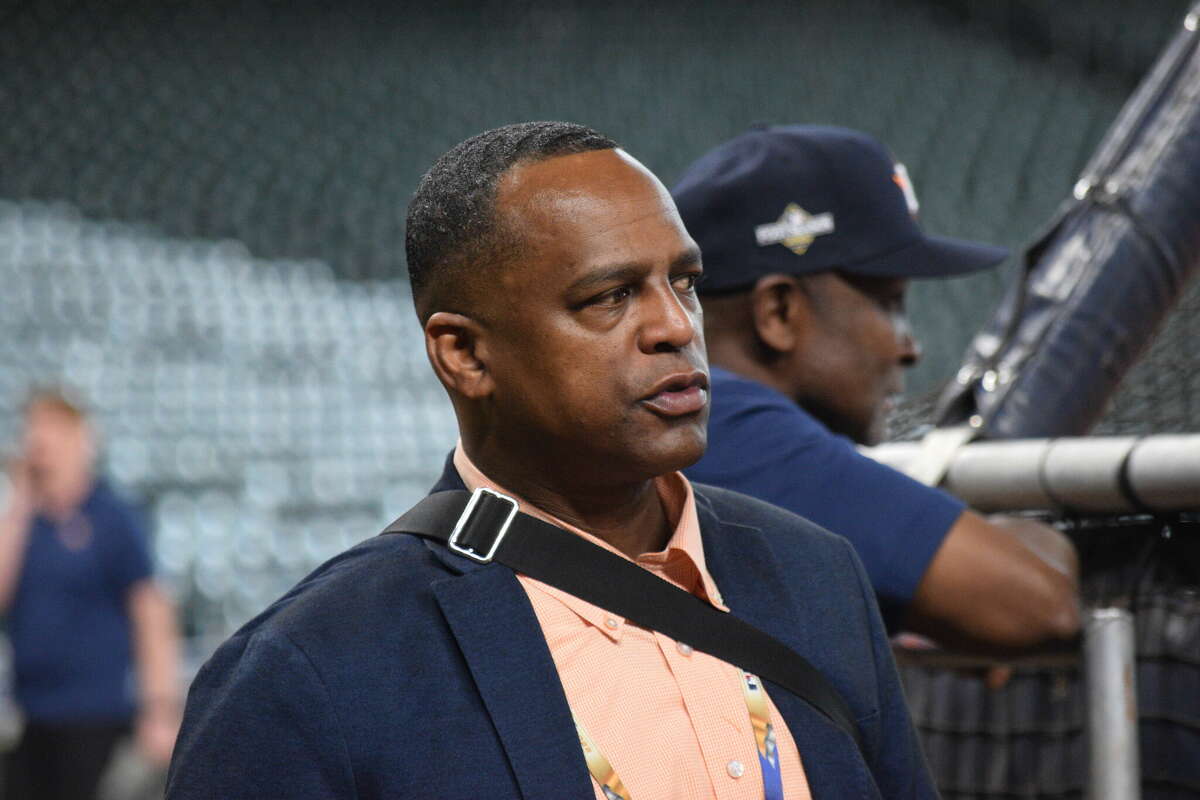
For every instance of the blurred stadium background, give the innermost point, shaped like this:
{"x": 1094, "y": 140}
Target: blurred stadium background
{"x": 201, "y": 214}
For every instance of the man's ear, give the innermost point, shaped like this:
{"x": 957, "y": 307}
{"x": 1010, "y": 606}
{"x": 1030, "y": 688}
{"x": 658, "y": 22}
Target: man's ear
{"x": 458, "y": 352}
{"x": 781, "y": 310}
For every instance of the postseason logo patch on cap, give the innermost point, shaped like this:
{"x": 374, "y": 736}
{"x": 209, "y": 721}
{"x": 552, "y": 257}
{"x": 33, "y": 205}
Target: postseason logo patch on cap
{"x": 795, "y": 229}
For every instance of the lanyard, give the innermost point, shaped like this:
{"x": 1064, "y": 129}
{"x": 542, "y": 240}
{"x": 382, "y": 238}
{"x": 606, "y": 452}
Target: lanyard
{"x": 764, "y": 736}
{"x": 764, "y": 741}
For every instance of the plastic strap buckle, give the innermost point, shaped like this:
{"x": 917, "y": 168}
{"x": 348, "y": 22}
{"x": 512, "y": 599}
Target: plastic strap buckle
{"x": 480, "y": 529}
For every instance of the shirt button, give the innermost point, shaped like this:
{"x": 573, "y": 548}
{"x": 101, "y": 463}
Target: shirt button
{"x": 611, "y": 623}
{"x": 684, "y": 649}
{"x": 736, "y": 769}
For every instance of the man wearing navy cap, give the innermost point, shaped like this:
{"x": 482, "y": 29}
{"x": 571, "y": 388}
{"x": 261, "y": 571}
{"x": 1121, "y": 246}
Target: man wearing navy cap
{"x": 809, "y": 238}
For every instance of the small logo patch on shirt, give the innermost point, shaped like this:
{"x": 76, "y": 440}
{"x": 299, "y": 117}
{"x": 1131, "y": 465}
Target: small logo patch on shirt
{"x": 795, "y": 229}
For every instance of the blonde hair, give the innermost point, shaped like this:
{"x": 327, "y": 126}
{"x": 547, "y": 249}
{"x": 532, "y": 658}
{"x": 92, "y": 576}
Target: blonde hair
{"x": 57, "y": 398}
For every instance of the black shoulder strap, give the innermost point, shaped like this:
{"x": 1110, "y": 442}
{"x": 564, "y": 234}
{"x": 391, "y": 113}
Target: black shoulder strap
{"x": 487, "y": 527}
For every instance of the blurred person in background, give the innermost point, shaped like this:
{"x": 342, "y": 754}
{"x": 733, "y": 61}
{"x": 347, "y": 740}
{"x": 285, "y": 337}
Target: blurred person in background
{"x": 809, "y": 239}
{"x": 94, "y": 638}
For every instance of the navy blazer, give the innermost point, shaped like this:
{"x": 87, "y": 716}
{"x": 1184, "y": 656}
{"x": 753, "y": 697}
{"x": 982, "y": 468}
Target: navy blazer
{"x": 401, "y": 670}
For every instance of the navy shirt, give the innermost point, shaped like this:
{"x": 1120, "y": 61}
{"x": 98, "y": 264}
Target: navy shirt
{"x": 762, "y": 444}
{"x": 69, "y": 620}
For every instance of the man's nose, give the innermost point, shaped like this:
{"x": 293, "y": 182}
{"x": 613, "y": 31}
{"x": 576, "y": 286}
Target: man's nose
{"x": 910, "y": 348}
{"x": 668, "y": 325}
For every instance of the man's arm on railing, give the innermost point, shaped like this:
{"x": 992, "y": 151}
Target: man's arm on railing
{"x": 1001, "y": 585}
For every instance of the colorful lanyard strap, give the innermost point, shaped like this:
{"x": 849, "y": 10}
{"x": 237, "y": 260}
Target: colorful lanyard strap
{"x": 764, "y": 740}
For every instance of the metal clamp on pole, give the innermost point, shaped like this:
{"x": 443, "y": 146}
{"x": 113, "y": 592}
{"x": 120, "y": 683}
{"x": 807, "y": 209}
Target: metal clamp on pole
{"x": 937, "y": 451}
{"x": 1110, "y": 672}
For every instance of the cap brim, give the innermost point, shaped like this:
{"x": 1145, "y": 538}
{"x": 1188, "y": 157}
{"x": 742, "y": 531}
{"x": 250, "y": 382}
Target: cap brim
{"x": 932, "y": 257}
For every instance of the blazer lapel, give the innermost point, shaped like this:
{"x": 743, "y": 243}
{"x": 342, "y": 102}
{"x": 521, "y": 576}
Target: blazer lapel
{"x": 501, "y": 639}
{"x": 502, "y": 642}
{"x": 753, "y": 587}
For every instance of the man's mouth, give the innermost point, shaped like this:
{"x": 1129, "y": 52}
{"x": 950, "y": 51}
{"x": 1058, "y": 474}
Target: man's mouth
{"x": 678, "y": 395}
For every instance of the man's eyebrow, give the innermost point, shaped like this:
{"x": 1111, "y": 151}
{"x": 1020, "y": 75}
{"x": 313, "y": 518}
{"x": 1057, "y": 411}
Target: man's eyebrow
{"x": 688, "y": 258}
{"x": 613, "y": 273}
{"x": 622, "y": 273}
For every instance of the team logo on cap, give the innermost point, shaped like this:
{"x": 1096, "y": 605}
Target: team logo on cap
{"x": 901, "y": 179}
{"x": 795, "y": 229}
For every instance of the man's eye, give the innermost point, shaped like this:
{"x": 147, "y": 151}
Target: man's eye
{"x": 686, "y": 283}
{"x": 613, "y": 296}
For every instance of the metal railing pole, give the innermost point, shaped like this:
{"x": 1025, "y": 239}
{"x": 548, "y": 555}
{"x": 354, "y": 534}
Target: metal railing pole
{"x": 1110, "y": 673}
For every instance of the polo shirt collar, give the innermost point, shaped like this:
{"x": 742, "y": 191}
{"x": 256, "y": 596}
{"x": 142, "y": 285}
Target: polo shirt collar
{"x": 684, "y": 545}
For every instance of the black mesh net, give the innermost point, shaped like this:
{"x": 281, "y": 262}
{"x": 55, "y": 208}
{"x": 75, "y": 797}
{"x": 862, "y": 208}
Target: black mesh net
{"x": 299, "y": 129}
{"x": 1028, "y": 738}
{"x": 1162, "y": 391}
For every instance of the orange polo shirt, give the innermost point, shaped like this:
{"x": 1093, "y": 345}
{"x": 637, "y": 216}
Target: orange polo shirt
{"x": 671, "y": 721}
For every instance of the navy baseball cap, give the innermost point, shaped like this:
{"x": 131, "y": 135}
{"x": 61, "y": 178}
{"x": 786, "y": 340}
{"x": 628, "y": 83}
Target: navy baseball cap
{"x": 797, "y": 199}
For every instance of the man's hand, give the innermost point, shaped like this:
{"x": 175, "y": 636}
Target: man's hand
{"x": 1052, "y": 547}
{"x": 19, "y": 497}
{"x": 17, "y": 506}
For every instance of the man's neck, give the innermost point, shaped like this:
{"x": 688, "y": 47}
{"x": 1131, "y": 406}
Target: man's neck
{"x": 61, "y": 497}
{"x": 630, "y": 517}
{"x": 730, "y": 357}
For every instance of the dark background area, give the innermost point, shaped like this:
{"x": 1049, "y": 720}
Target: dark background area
{"x": 301, "y": 128}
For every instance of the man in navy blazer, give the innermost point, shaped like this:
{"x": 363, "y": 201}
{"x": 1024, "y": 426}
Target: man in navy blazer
{"x": 555, "y": 283}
